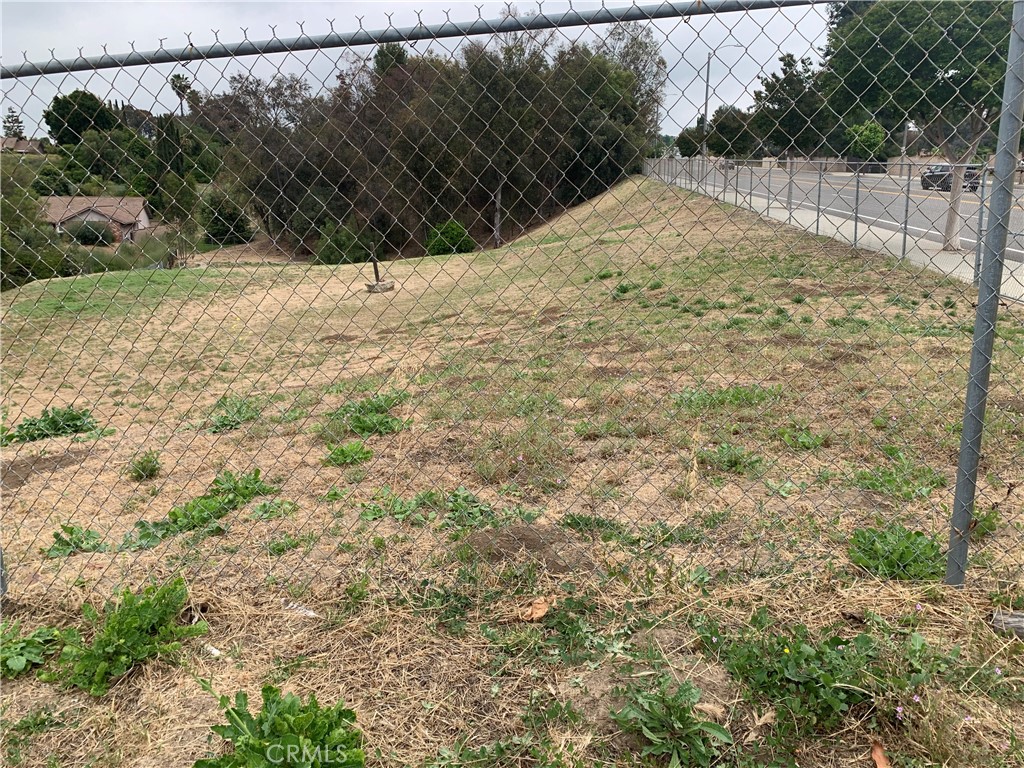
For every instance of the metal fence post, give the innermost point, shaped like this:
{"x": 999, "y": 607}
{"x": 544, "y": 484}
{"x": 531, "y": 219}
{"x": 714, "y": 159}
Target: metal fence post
{"x": 981, "y": 224}
{"x": 1011, "y": 123}
{"x": 856, "y": 206}
{"x": 789, "y": 190}
{"x": 817, "y": 207}
{"x": 906, "y": 212}
{"x": 768, "y": 193}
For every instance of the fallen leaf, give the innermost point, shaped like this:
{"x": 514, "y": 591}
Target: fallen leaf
{"x": 766, "y": 719}
{"x": 539, "y": 608}
{"x": 711, "y": 710}
{"x": 878, "y": 755}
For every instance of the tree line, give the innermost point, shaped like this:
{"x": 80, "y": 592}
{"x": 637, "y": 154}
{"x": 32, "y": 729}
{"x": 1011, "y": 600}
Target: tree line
{"x": 493, "y": 139}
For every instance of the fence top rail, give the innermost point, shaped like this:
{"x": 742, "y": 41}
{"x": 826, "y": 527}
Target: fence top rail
{"x": 420, "y": 31}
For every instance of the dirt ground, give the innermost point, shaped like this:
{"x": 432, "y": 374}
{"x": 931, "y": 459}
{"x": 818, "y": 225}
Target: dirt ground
{"x": 562, "y": 377}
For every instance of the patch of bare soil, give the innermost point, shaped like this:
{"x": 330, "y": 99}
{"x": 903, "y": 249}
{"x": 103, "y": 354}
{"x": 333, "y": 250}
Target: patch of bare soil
{"x": 549, "y": 545}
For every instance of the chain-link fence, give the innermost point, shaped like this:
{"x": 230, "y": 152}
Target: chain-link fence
{"x": 566, "y": 337}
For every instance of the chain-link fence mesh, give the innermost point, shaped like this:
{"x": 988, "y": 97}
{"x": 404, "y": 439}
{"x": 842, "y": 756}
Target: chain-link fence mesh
{"x": 456, "y": 329}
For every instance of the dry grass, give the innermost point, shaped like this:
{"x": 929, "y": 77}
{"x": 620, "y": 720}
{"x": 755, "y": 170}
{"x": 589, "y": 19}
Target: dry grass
{"x": 526, "y": 346}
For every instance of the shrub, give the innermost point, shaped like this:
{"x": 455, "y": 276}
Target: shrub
{"x": 327, "y": 735}
{"x": 448, "y": 239}
{"x": 90, "y": 233}
{"x": 224, "y": 220}
{"x": 135, "y": 628}
{"x": 340, "y": 244}
{"x": 52, "y": 181}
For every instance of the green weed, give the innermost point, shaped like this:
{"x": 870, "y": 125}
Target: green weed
{"x": 662, "y": 715}
{"x": 286, "y": 543}
{"x": 273, "y": 509}
{"x": 896, "y": 552}
{"x": 698, "y": 400}
{"x": 71, "y": 539}
{"x": 20, "y": 653}
{"x": 800, "y": 437}
{"x": 227, "y": 493}
{"x": 345, "y": 454}
{"x": 145, "y": 466}
{"x": 231, "y": 412}
{"x": 366, "y": 417}
{"x": 730, "y": 458}
{"x": 53, "y": 422}
{"x": 901, "y": 477}
{"x": 262, "y": 739}
{"x": 131, "y": 630}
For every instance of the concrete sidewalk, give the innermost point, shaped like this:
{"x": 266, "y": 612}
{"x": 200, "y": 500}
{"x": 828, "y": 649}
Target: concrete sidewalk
{"x": 919, "y": 251}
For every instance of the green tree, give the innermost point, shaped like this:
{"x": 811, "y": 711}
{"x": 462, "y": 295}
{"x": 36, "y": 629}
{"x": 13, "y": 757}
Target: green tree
{"x": 182, "y": 87}
{"x": 939, "y": 65}
{"x": 14, "y": 128}
{"x": 224, "y": 220}
{"x": 175, "y": 198}
{"x": 388, "y": 57}
{"x": 688, "y": 141}
{"x": 867, "y": 140}
{"x": 69, "y": 117}
{"x": 169, "y": 153}
{"x": 789, "y": 113}
{"x": 340, "y": 244}
{"x": 29, "y": 248}
{"x": 730, "y": 134}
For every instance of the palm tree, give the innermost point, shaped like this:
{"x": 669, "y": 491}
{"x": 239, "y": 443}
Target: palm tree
{"x": 182, "y": 87}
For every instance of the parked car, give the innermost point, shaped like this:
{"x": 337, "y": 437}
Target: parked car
{"x": 941, "y": 177}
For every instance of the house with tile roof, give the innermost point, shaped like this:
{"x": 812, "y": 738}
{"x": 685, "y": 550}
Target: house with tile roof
{"x": 124, "y": 215}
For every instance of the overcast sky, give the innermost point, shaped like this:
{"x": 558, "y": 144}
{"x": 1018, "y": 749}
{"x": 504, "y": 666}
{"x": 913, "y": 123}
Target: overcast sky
{"x": 745, "y": 44}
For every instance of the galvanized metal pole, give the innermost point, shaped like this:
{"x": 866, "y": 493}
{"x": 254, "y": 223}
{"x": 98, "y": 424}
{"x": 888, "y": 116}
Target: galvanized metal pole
{"x": 789, "y": 190}
{"x": 817, "y": 217}
{"x": 521, "y": 23}
{"x": 1011, "y": 123}
{"x": 856, "y": 206}
{"x": 981, "y": 224}
{"x": 906, "y": 212}
{"x": 768, "y": 193}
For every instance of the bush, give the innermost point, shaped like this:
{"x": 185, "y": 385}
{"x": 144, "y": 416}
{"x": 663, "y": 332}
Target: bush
{"x": 448, "y": 239}
{"x": 224, "y": 221}
{"x": 340, "y": 244}
{"x": 90, "y": 233}
{"x": 52, "y": 181}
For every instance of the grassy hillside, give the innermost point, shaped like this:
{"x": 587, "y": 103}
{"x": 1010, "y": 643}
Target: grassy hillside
{"x": 638, "y": 446}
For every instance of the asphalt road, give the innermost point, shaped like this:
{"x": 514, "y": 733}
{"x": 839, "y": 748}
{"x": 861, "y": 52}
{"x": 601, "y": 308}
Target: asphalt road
{"x": 880, "y": 201}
